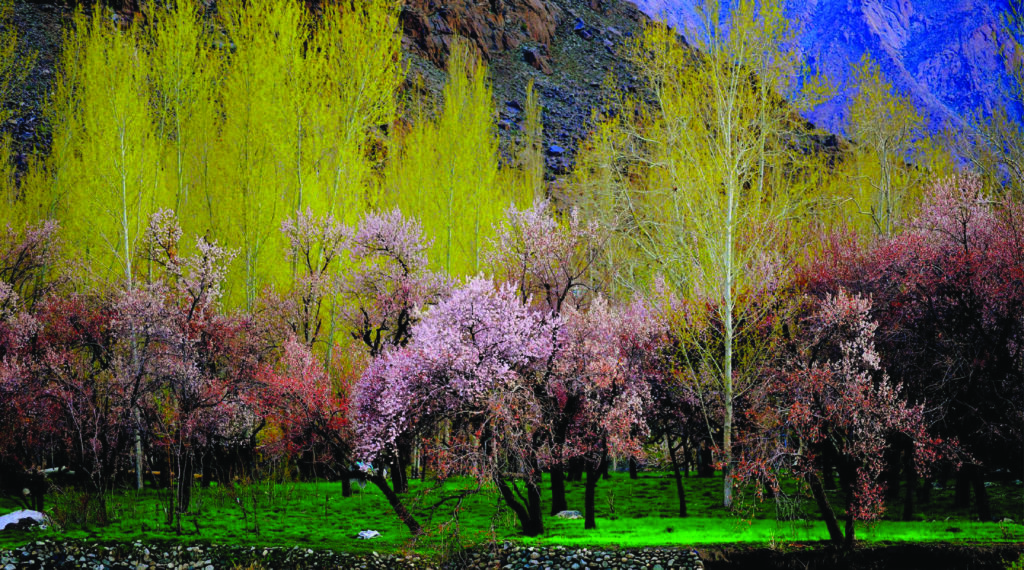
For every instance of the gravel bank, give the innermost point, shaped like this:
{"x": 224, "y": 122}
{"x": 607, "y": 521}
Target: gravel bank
{"x": 139, "y": 556}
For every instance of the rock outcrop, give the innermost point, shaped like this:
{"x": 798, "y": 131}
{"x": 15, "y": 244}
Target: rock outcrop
{"x": 493, "y": 26}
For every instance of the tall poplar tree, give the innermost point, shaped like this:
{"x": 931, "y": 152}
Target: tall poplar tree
{"x": 446, "y": 170}
{"x": 104, "y": 172}
{"x": 184, "y": 67}
{"x": 14, "y": 67}
{"x": 886, "y": 128}
{"x": 721, "y": 155}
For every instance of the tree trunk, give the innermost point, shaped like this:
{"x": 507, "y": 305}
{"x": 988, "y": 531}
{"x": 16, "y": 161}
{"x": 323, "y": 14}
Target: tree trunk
{"x": 686, "y": 458}
{"x": 346, "y": 483}
{"x": 533, "y": 504}
{"x": 593, "y": 474}
{"x": 398, "y": 477}
{"x": 633, "y": 468}
{"x": 981, "y": 493}
{"x": 185, "y": 480}
{"x": 827, "y": 514}
{"x": 575, "y": 471}
{"x": 680, "y": 491}
{"x": 396, "y": 504}
{"x": 705, "y": 460}
{"x": 529, "y": 514}
{"x": 910, "y": 475}
{"x": 848, "y": 544}
{"x": 207, "y": 471}
{"x": 558, "y": 500}
{"x": 828, "y": 473}
{"x": 962, "y": 495}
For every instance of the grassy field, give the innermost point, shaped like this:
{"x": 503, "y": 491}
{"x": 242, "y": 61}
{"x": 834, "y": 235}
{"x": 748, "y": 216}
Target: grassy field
{"x": 631, "y": 513}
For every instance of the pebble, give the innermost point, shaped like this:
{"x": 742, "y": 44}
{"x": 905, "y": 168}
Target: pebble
{"x": 506, "y": 555}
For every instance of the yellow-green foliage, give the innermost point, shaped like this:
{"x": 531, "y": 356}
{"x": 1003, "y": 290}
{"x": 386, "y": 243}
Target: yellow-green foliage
{"x": 886, "y": 128}
{"x": 527, "y": 173}
{"x": 259, "y": 161}
{"x": 183, "y": 73}
{"x": 235, "y": 123}
{"x": 105, "y": 165}
{"x": 301, "y": 106}
{"x": 446, "y": 168}
{"x": 13, "y": 66}
{"x": 13, "y": 69}
{"x": 602, "y": 185}
{"x": 719, "y": 178}
{"x": 718, "y": 168}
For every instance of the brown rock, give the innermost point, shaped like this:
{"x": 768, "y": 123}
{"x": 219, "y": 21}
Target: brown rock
{"x": 492, "y": 26}
{"x": 537, "y": 60}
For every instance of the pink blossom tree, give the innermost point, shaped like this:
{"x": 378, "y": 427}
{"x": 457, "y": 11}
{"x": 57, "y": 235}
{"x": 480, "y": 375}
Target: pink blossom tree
{"x": 553, "y": 265}
{"x": 830, "y": 401}
{"x": 298, "y": 395}
{"x": 199, "y": 362}
{"x": 472, "y": 371}
{"x": 384, "y": 293}
{"x": 316, "y": 246}
{"x": 948, "y": 294}
{"x": 606, "y": 360}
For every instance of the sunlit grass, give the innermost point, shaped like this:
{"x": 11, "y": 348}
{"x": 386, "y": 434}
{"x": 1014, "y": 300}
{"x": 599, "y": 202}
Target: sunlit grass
{"x": 630, "y": 513}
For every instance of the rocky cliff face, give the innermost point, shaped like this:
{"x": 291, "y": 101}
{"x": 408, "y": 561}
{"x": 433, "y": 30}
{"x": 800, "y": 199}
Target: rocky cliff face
{"x": 493, "y": 25}
{"x": 944, "y": 53}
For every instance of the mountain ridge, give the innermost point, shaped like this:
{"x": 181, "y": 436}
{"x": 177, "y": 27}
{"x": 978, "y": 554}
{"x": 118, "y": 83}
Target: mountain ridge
{"x": 945, "y": 56}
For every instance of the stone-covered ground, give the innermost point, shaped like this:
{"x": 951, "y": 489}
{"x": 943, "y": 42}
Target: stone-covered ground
{"x": 139, "y": 556}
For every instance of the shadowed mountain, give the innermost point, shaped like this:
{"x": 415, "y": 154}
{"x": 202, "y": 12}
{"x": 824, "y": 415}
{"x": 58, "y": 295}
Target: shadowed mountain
{"x": 947, "y": 55}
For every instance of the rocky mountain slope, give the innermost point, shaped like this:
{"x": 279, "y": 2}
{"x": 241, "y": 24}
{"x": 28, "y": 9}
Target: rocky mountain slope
{"x": 944, "y": 53}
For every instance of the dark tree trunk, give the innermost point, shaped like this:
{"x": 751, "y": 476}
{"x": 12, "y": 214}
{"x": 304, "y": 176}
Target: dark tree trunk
{"x": 910, "y": 477}
{"x": 593, "y": 473}
{"x": 680, "y": 491}
{"x": 533, "y": 504}
{"x": 827, "y": 514}
{"x": 558, "y": 500}
{"x": 685, "y": 464}
{"x": 981, "y": 493}
{"x": 575, "y": 471}
{"x": 396, "y": 504}
{"x": 529, "y": 515}
{"x": 185, "y": 481}
{"x": 924, "y": 492}
{"x": 398, "y": 477}
{"x": 962, "y": 495}
{"x": 892, "y": 472}
{"x": 828, "y": 474}
{"x": 848, "y": 544}
{"x": 704, "y": 461}
{"x": 633, "y": 468}
{"x": 346, "y": 483}
{"x": 207, "y": 471}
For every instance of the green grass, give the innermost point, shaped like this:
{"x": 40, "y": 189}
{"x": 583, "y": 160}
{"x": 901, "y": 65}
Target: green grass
{"x": 631, "y": 513}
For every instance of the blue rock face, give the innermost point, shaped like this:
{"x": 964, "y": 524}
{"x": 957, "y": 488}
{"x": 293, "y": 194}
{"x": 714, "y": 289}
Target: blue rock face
{"x": 945, "y": 54}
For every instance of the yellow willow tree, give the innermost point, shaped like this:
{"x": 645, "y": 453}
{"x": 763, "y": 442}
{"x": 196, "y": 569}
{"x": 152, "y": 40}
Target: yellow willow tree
{"x": 359, "y": 74}
{"x": 183, "y": 70}
{"x": 722, "y": 175}
{"x": 102, "y": 176}
{"x": 446, "y": 169}
{"x": 256, "y": 173}
{"x": 604, "y": 179}
{"x": 524, "y": 178}
{"x": 886, "y": 129}
{"x": 14, "y": 67}
{"x": 303, "y": 102}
